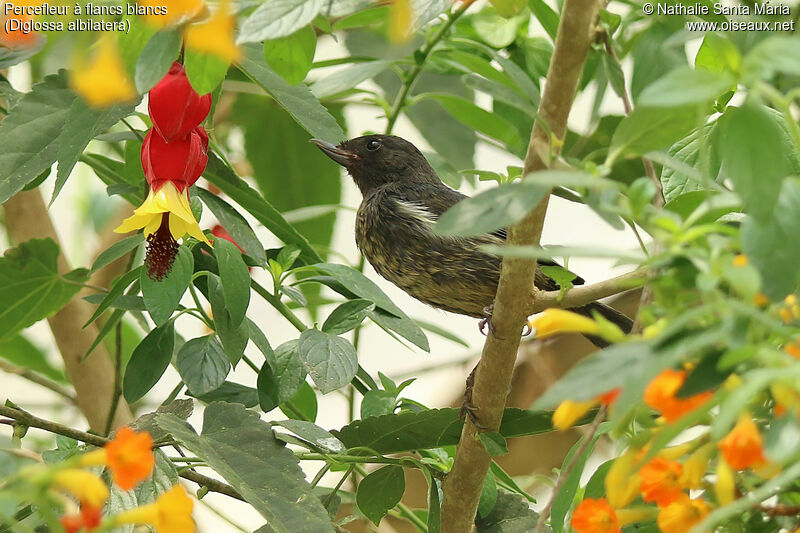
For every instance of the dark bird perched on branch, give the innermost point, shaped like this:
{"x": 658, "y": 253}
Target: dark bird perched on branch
{"x": 403, "y": 198}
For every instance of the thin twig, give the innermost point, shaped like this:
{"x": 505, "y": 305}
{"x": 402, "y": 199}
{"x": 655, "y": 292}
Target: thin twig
{"x": 33, "y": 377}
{"x": 562, "y": 477}
{"x": 585, "y": 294}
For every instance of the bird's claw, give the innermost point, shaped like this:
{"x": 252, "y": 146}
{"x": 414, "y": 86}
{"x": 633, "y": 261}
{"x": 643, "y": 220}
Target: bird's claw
{"x": 486, "y": 322}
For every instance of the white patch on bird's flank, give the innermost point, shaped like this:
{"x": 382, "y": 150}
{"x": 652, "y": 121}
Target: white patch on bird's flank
{"x": 417, "y": 212}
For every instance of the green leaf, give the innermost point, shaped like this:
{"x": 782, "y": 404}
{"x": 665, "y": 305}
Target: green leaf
{"x": 508, "y": 8}
{"x": 231, "y": 392}
{"x": 378, "y": 403}
{"x": 560, "y": 275}
{"x": 291, "y": 56}
{"x": 347, "y": 316}
{"x": 202, "y": 364}
{"x": 496, "y": 29}
{"x": 31, "y": 287}
{"x": 234, "y": 337}
{"x": 297, "y": 100}
{"x": 566, "y": 494}
{"x": 756, "y": 164}
{"x": 380, "y": 491}
{"x": 132, "y": 42}
{"x": 500, "y": 93}
{"x": 235, "y": 279}
{"x": 161, "y": 479}
{"x": 117, "y": 288}
{"x": 127, "y": 302}
{"x": 360, "y": 285}
{"x": 491, "y": 210}
{"x": 303, "y": 404}
{"x": 313, "y": 434}
{"x": 156, "y": 58}
{"x": 12, "y": 56}
{"x": 776, "y": 54}
{"x": 117, "y": 250}
{"x": 162, "y": 297}
{"x": 234, "y": 223}
{"x": 330, "y": 360}
{"x": 218, "y": 173}
{"x": 718, "y": 54}
{"x": 205, "y": 71}
{"x": 684, "y": 86}
{"x": 691, "y": 150}
{"x": 546, "y": 17}
{"x": 241, "y": 448}
{"x": 29, "y": 134}
{"x": 481, "y": 120}
{"x": 511, "y": 514}
{"x": 488, "y": 494}
{"x": 405, "y": 327}
{"x": 650, "y": 128}
{"x": 281, "y": 376}
{"x": 494, "y": 443}
{"x": 278, "y": 18}
{"x": 22, "y": 352}
{"x": 346, "y": 79}
{"x": 766, "y": 243}
{"x": 149, "y": 361}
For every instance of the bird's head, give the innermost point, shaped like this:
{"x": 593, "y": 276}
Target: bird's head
{"x": 375, "y": 160}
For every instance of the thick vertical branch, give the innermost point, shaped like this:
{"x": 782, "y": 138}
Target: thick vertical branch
{"x": 462, "y": 488}
{"x": 93, "y": 378}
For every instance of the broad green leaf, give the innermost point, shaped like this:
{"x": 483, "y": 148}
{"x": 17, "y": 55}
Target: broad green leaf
{"x": 241, "y": 448}
{"x": 157, "y": 56}
{"x": 231, "y": 392}
{"x": 218, "y": 173}
{"x": 12, "y": 56}
{"x": 684, "y": 86}
{"x": 31, "y": 287}
{"x": 313, "y": 434}
{"x": 117, "y": 288}
{"x": 488, "y": 494}
{"x": 718, "y": 54}
{"x": 161, "y": 479}
{"x": 29, "y": 134}
{"x": 348, "y": 78}
{"x": 654, "y": 56}
{"x": 494, "y": 443}
{"x": 234, "y": 336}
{"x": 117, "y": 250}
{"x": 347, "y": 316}
{"x": 205, "y": 71}
{"x": 689, "y": 150}
{"x": 297, "y": 99}
{"x": 330, "y": 360}
{"x": 234, "y": 223}
{"x": 546, "y": 17}
{"x": 127, "y": 302}
{"x": 291, "y": 56}
{"x": 278, "y": 18}
{"x": 511, "y": 514}
{"x": 360, "y": 285}
{"x": 766, "y": 242}
{"x": 304, "y": 404}
{"x": 378, "y": 403}
{"x": 499, "y": 92}
{"x": 202, "y": 364}
{"x": 508, "y": 8}
{"x": 132, "y": 42}
{"x": 776, "y": 54}
{"x": 149, "y": 361}
{"x": 566, "y": 494}
{"x": 162, "y": 297}
{"x": 235, "y": 279}
{"x": 481, "y": 120}
{"x": 112, "y": 173}
{"x": 496, "y": 29}
{"x": 442, "y": 332}
{"x": 403, "y": 326}
{"x": 23, "y": 353}
{"x": 281, "y": 376}
{"x": 380, "y": 491}
{"x": 475, "y": 64}
{"x": 491, "y": 210}
{"x": 650, "y": 128}
{"x": 424, "y": 11}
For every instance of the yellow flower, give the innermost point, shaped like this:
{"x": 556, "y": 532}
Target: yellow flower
{"x": 177, "y": 11}
{"x": 639, "y": 514}
{"x": 682, "y": 514}
{"x": 552, "y": 321}
{"x": 399, "y": 21}
{"x": 166, "y": 200}
{"x": 760, "y": 300}
{"x": 622, "y": 483}
{"x": 215, "y": 36}
{"x": 725, "y": 486}
{"x": 694, "y": 469}
{"x": 740, "y": 260}
{"x": 568, "y": 412}
{"x": 171, "y": 513}
{"x": 82, "y": 484}
{"x": 103, "y": 81}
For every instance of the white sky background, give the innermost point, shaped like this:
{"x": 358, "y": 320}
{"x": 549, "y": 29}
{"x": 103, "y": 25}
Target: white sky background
{"x": 566, "y": 224}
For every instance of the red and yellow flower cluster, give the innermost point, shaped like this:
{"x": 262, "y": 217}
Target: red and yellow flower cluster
{"x": 130, "y": 460}
{"x": 174, "y": 155}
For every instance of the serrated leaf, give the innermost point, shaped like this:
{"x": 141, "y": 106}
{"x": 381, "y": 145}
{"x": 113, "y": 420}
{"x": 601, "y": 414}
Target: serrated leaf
{"x": 202, "y": 364}
{"x": 291, "y": 56}
{"x": 331, "y": 361}
{"x": 347, "y": 316}
{"x": 149, "y": 361}
{"x": 161, "y": 479}
{"x": 278, "y": 18}
{"x": 313, "y": 434}
{"x": 231, "y": 392}
{"x": 281, "y": 376}
{"x": 156, "y": 58}
{"x": 405, "y": 327}
{"x": 147, "y": 422}
{"x": 162, "y": 297}
{"x": 205, "y": 71}
{"x": 30, "y": 285}
{"x": 242, "y": 449}
{"x": 494, "y": 443}
{"x": 380, "y": 491}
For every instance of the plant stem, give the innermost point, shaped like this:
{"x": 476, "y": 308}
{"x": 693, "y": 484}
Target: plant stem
{"x": 34, "y": 377}
{"x": 282, "y": 308}
{"x": 354, "y": 459}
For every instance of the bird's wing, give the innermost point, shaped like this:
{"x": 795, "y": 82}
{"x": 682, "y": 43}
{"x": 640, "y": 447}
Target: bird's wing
{"x": 433, "y": 200}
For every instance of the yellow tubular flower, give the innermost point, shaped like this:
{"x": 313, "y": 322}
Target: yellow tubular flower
{"x": 103, "y": 81}
{"x": 215, "y": 36}
{"x": 682, "y": 514}
{"x": 82, "y": 484}
{"x": 725, "y": 486}
{"x": 171, "y": 513}
{"x": 552, "y": 321}
{"x": 569, "y": 412}
{"x": 694, "y": 469}
{"x": 622, "y": 483}
{"x": 167, "y": 199}
{"x": 640, "y": 514}
{"x": 400, "y": 21}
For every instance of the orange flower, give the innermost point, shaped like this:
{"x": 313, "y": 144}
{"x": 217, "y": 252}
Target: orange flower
{"x": 171, "y": 513}
{"x": 129, "y": 456}
{"x": 792, "y": 349}
{"x": 694, "y": 469}
{"x": 659, "y": 481}
{"x": 760, "y": 300}
{"x": 682, "y": 514}
{"x": 743, "y": 447}
{"x": 622, "y": 483}
{"x": 18, "y": 37}
{"x": 660, "y": 395}
{"x": 89, "y": 518}
{"x": 85, "y": 486}
{"x": 595, "y": 516}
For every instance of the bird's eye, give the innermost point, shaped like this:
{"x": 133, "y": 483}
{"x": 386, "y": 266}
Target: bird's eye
{"x": 373, "y": 145}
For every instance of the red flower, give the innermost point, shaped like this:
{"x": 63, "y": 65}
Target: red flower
{"x": 222, "y": 233}
{"x": 181, "y": 161}
{"x": 176, "y": 108}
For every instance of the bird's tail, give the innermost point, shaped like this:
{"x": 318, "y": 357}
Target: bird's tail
{"x": 609, "y": 313}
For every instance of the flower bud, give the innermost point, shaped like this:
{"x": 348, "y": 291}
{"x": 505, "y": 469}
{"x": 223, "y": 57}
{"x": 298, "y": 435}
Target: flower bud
{"x": 181, "y": 161}
{"x": 175, "y": 107}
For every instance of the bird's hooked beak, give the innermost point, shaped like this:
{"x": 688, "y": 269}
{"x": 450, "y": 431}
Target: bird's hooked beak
{"x": 340, "y": 155}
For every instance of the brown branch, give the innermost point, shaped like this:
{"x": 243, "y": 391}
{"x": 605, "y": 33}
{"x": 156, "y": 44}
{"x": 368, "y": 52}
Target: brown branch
{"x": 585, "y": 294}
{"x": 34, "y": 377}
{"x": 462, "y": 487}
{"x": 30, "y": 420}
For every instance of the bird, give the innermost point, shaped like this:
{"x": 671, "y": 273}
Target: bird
{"x": 403, "y": 197}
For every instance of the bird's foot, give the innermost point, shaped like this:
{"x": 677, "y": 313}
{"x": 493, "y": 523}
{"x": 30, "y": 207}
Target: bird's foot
{"x": 468, "y": 409}
{"x": 486, "y": 322}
